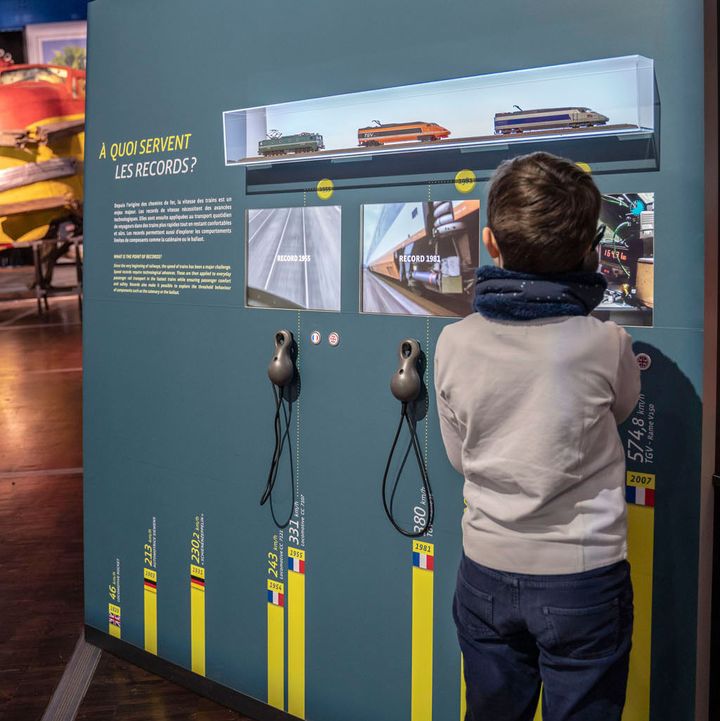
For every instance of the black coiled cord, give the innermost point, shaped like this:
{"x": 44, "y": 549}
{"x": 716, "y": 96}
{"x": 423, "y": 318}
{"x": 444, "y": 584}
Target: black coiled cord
{"x": 283, "y": 412}
{"x": 414, "y": 444}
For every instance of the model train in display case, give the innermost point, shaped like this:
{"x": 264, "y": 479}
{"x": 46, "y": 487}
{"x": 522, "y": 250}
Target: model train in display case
{"x": 379, "y": 134}
{"x": 521, "y": 121}
{"x": 278, "y": 144}
{"x": 417, "y": 130}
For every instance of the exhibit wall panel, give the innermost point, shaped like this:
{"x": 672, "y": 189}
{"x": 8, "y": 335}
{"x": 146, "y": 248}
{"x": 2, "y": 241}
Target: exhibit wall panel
{"x": 193, "y": 264}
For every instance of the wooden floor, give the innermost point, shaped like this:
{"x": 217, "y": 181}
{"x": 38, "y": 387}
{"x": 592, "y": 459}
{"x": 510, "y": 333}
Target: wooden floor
{"x": 41, "y": 532}
{"x": 41, "y": 587}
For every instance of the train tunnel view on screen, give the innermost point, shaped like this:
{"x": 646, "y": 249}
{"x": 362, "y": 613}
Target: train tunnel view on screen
{"x": 293, "y": 258}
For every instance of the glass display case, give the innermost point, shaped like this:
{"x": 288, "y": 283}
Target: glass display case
{"x": 597, "y": 106}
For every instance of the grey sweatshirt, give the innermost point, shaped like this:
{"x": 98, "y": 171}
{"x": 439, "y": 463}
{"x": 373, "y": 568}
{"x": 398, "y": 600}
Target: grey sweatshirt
{"x": 529, "y": 413}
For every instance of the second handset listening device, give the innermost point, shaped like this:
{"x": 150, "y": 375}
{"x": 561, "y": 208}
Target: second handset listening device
{"x": 406, "y": 385}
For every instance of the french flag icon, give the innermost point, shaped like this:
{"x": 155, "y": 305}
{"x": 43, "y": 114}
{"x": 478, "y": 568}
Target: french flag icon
{"x": 296, "y": 565}
{"x": 277, "y": 599}
{"x": 640, "y": 496}
{"x": 424, "y": 561}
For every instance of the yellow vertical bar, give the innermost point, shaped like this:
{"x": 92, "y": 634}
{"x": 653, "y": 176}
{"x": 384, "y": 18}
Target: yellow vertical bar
{"x": 463, "y": 687}
{"x": 641, "y": 536}
{"x": 276, "y": 646}
{"x": 150, "y": 609}
{"x": 538, "y": 711}
{"x": 422, "y": 634}
{"x": 197, "y": 619}
{"x": 114, "y": 628}
{"x": 296, "y": 635}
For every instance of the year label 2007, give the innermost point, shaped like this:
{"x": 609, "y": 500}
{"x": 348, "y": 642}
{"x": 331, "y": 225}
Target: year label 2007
{"x": 640, "y": 480}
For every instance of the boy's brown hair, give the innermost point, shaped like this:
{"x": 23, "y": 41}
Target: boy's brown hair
{"x": 543, "y": 211}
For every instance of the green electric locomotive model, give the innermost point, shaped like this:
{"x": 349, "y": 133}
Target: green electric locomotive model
{"x": 279, "y": 144}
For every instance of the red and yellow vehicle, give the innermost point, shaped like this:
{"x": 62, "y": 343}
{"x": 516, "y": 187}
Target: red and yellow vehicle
{"x": 42, "y": 137}
{"x": 417, "y": 130}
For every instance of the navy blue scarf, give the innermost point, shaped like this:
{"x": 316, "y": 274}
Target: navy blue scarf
{"x": 508, "y": 295}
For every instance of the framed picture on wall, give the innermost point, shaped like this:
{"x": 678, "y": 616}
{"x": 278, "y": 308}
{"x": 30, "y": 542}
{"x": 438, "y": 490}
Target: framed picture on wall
{"x": 57, "y": 44}
{"x": 12, "y": 48}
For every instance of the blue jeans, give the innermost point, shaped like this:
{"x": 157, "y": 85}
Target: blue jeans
{"x": 572, "y": 633}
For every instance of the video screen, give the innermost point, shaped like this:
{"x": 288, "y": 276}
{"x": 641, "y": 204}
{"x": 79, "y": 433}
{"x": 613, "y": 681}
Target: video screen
{"x": 627, "y": 258}
{"x": 420, "y": 258}
{"x": 293, "y": 258}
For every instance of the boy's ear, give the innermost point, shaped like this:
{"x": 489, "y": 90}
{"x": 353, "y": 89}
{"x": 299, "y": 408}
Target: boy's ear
{"x": 491, "y": 244}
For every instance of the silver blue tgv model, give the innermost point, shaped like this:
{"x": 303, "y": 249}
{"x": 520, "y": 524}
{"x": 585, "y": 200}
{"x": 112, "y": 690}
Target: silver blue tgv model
{"x": 520, "y": 121}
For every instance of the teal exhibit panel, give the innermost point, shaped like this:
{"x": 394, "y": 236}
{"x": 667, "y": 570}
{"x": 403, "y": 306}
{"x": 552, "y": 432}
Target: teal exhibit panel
{"x": 298, "y": 190}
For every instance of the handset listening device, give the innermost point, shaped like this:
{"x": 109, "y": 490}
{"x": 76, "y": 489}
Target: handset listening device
{"x": 407, "y": 386}
{"x": 282, "y": 373}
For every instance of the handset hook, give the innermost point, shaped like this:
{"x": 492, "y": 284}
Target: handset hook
{"x": 281, "y": 370}
{"x": 406, "y": 384}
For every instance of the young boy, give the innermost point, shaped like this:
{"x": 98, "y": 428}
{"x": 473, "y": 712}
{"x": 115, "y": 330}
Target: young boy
{"x": 530, "y": 390}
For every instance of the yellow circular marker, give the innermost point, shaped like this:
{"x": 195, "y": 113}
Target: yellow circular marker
{"x": 584, "y": 166}
{"x": 465, "y": 181}
{"x": 325, "y": 189}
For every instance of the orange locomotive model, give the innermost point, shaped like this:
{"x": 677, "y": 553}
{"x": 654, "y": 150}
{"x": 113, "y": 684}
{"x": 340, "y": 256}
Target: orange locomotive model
{"x": 380, "y": 134}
